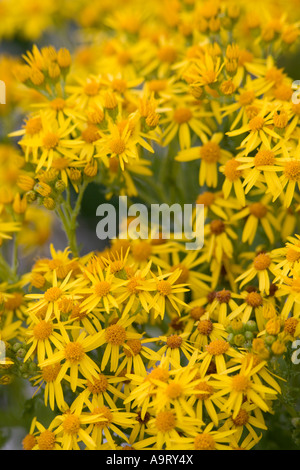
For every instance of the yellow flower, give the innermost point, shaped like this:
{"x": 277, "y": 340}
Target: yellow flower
{"x": 211, "y": 155}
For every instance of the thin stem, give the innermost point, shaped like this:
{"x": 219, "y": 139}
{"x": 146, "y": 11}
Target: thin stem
{"x": 68, "y": 216}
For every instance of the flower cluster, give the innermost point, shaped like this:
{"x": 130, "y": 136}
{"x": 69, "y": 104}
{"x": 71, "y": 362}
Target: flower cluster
{"x": 144, "y": 344}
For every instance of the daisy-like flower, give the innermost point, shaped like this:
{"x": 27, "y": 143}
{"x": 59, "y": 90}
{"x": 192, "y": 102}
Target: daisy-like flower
{"x": 290, "y": 179}
{"x": 243, "y": 386}
{"x": 288, "y": 257}
{"x": 109, "y": 423}
{"x": 101, "y": 390}
{"x": 205, "y": 400}
{"x": 248, "y": 418}
{"x": 142, "y": 393}
{"x": 54, "y": 140}
{"x": 114, "y": 337}
{"x": 99, "y": 288}
{"x": 42, "y": 337}
{"x": 252, "y": 300}
{"x": 261, "y": 169}
{"x": 135, "y": 292}
{"x": 233, "y": 180}
{"x": 217, "y": 352}
{"x": 262, "y": 266}
{"x": 44, "y": 438}
{"x": 49, "y": 300}
{"x": 219, "y": 238}
{"x": 175, "y": 347}
{"x": 53, "y": 391}
{"x": 184, "y": 119}
{"x": 166, "y": 293}
{"x": 258, "y": 213}
{"x": 223, "y": 300}
{"x": 135, "y": 355}
{"x": 207, "y": 439}
{"x": 71, "y": 427}
{"x": 73, "y": 354}
{"x": 206, "y": 331}
{"x": 258, "y": 129}
{"x": 174, "y": 393}
{"x": 164, "y": 428}
{"x": 189, "y": 263}
{"x": 122, "y": 144}
{"x": 210, "y": 154}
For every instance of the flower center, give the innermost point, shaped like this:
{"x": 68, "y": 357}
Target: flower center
{"x": 254, "y": 299}
{"x": 167, "y": 54}
{"x": 217, "y": 347}
{"x": 91, "y": 88}
{"x": 58, "y": 104}
{"x": 217, "y": 227}
{"x": 102, "y": 288}
{"x": 246, "y": 98}
{"x": 46, "y": 440}
{"x": 240, "y": 383}
{"x": 206, "y": 389}
{"x": 14, "y": 302}
{"x": 107, "y": 416}
{"x": 33, "y": 126}
{"x": 115, "y": 334}
{"x": 164, "y": 288}
{"x": 205, "y": 327}
{"x": 117, "y": 146}
{"x": 50, "y": 373}
{"x": 292, "y": 170}
{"x": 264, "y": 158}
{"x": 210, "y": 152}
{"x": 207, "y": 198}
{"x": 52, "y": 294}
{"x": 165, "y": 421}
{"x": 159, "y": 374}
{"x": 141, "y": 251}
{"x": 42, "y": 330}
{"x": 71, "y": 424}
{"x": 74, "y": 352}
{"x": 231, "y": 170}
{"x": 258, "y": 209}
{"x": 174, "y": 341}
{"x": 135, "y": 347}
{"x": 290, "y": 325}
{"x": 99, "y": 384}
{"x": 261, "y": 262}
{"x": 256, "y": 123}
{"x": 50, "y": 140}
{"x": 174, "y": 390}
{"x": 182, "y": 115}
{"x": 280, "y": 119}
{"x": 184, "y": 275}
{"x": 204, "y": 441}
{"x": 292, "y": 255}
{"x": 223, "y": 296}
{"x": 90, "y": 134}
{"x": 197, "y": 312}
{"x": 241, "y": 418}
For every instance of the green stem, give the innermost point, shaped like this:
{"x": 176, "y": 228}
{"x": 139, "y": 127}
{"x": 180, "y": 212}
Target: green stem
{"x": 68, "y": 216}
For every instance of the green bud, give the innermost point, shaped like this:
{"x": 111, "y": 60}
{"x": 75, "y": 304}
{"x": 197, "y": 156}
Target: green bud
{"x": 230, "y": 338}
{"x": 16, "y": 346}
{"x": 21, "y": 352}
{"x": 269, "y": 340}
{"x": 239, "y": 340}
{"x": 249, "y": 335}
{"x": 251, "y": 325}
{"x": 60, "y": 186}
